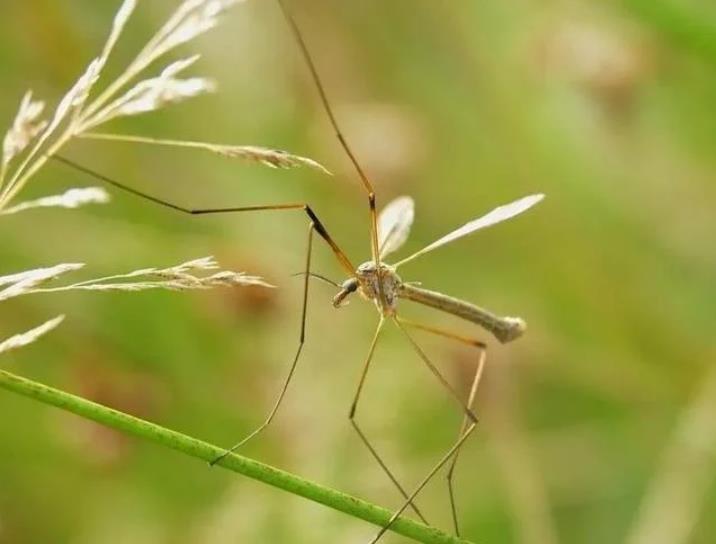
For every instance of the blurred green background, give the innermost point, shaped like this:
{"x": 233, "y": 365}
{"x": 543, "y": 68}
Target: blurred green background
{"x": 603, "y": 409}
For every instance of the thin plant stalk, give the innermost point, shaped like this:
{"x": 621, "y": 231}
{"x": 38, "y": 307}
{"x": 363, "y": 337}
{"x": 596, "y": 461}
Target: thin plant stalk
{"x": 245, "y": 466}
{"x": 143, "y": 140}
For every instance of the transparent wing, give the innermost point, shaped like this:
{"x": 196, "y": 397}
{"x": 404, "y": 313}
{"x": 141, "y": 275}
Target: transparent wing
{"x": 394, "y": 224}
{"x": 495, "y": 216}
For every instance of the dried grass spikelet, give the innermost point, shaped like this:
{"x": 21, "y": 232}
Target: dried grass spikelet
{"x": 32, "y": 140}
{"x": 153, "y": 94}
{"x": 192, "y": 18}
{"x": 181, "y": 277}
{"x": 129, "y": 94}
{"x": 72, "y": 103}
{"x": 25, "y": 338}
{"x": 29, "y": 280}
{"x": 274, "y": 158}
{"x": 25, "y": 128}
{"x": 72, "y": 198}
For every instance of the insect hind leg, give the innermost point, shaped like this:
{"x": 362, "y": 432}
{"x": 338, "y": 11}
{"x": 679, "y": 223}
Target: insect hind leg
{"x": 469, "y": 419}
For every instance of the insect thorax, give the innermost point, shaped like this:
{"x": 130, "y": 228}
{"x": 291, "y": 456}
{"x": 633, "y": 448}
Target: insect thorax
{"x": 372, "y": 278}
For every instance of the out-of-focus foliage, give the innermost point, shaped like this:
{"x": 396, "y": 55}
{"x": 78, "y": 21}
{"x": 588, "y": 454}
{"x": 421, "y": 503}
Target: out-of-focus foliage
{"x": 607, "y": 107}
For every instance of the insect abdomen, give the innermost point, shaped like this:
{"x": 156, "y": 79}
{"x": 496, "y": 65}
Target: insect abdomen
{"x": 504, "y": 329}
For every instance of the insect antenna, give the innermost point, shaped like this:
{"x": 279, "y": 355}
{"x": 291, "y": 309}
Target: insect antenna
{"x": 324, "y": 279}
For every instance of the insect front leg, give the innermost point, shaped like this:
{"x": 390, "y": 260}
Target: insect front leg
{"x": 294, "y": 363}
{"x": 359, "y": 431}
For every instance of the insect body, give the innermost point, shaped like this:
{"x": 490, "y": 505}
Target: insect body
{"x": 366, "y": 283}
{"x": 381, "y": 283}
{"x": 505, "y": 329}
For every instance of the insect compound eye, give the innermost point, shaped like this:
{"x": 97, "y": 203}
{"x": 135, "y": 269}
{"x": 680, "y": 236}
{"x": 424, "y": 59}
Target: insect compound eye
{"x": 349, "y": 286}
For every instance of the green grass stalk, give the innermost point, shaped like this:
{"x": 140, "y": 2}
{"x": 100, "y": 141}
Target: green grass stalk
{"x": 188, "y": 445}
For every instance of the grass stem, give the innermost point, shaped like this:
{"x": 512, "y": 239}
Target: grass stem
{"x": 188, "y": 445}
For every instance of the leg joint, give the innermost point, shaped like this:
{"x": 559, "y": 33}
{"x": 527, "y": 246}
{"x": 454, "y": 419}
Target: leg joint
{"x": 316, "y": 222}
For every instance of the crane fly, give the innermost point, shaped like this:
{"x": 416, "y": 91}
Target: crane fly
{"x": 377, "y": 281}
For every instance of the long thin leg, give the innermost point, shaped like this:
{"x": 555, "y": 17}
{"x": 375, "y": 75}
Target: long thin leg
{"x": 334, "y": 123}
{"x": 342, "y": 258}
{"x": 361, "y": 434}
{"x": 425, "y": 481}
{"x": 482, "y": 348}
{"x": 451, "y": 452}
{"x": 468, "y": 412}
{"x": 315, "y": 224}
{"x": 301, "y": 341}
